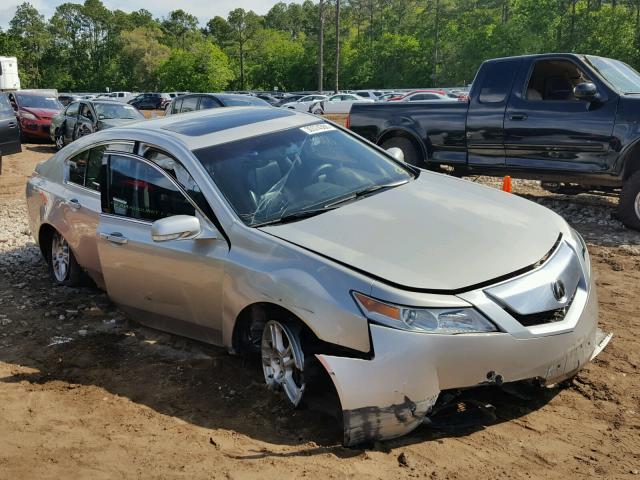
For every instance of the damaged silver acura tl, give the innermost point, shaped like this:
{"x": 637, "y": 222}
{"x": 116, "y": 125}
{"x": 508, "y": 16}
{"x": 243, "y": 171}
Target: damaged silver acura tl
{"x": 273, "y": 231}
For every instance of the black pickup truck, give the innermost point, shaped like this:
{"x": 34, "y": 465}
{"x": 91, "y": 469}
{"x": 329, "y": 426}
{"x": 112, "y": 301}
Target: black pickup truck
{"x": 571, "y": 121}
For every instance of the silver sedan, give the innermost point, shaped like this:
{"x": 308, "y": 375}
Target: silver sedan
{"x": 272, "y": 231}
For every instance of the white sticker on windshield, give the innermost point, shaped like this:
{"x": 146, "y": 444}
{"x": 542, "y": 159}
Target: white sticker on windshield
{"x": 49, "y": 98}
{"x": 317, "y": 128}
{"x": 128, "y": 107}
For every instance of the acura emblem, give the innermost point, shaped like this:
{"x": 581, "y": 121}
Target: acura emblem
{"x": 559, "y": 290}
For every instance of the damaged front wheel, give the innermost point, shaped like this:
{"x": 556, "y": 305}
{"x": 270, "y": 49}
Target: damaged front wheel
{"x": 283, "y": 360}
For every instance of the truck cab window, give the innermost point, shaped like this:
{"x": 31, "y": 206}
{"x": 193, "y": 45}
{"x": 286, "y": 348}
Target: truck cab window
{"x": 497, "y": 81}
{"x": 553, "y": 80}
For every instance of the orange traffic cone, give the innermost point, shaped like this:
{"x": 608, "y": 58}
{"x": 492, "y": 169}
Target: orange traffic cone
{"x": 506, "y": 184}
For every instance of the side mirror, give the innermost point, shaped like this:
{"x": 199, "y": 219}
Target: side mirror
{"x": 585, "y": 91}
{"x": 396, "y": 153}
{"x": 177, "y": 227}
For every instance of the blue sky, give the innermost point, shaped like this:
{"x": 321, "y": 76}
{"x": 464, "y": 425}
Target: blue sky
{"x": 203, "y": 9}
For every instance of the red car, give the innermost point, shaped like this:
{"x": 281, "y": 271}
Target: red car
{"x": 34, "y": 111}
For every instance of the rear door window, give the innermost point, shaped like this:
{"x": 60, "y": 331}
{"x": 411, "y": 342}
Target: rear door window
{"x": 208, "y": 102}
{"x": 189, "y": 104}
{"x": 78, "y": 167}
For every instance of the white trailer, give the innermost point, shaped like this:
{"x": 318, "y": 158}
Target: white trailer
{"x": 9, "y": 79}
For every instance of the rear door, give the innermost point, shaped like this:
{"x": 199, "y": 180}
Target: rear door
{"x": 485, "y": 118}
{"x": 173, "y": 285}
{"x": 9, "y": 130}
{"x": 548, "y": 129}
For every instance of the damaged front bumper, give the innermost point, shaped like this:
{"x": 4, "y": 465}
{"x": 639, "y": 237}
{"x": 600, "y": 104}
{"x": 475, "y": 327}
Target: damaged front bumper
{"x": 390, "y": 395}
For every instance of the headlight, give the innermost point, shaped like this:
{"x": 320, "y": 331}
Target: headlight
{"x": 28, "y": 116}
{"x": 446, "y": 321}
{"x": 582, "y": 250}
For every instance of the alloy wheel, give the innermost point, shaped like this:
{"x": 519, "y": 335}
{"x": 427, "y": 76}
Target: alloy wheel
{"x": 636, "y": 205}
{"x": 283, "y": 360}
{"x": 60, "y": 257}
{"x": 59, "y": 140}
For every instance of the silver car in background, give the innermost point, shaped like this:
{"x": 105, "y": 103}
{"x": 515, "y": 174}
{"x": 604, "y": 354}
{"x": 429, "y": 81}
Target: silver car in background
{"x": 271, "y": 231}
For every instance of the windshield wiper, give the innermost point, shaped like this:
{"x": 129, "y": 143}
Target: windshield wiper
{"x": 366, "y": 191}
{"x": 292, "y": 217}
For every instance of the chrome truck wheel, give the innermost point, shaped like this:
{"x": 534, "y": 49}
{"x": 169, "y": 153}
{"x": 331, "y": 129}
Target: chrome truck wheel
{"x": 283, "y": 360}
{"x": 60, "y": 257}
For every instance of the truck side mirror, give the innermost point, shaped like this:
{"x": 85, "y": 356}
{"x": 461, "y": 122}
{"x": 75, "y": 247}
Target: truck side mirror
{"x": 585, "y": 91}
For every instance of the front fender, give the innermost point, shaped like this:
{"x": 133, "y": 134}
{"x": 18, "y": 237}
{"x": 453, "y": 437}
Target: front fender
{"x": 265, "y": 269}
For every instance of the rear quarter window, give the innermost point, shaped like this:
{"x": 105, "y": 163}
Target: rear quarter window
{"x": 497, "y": 81}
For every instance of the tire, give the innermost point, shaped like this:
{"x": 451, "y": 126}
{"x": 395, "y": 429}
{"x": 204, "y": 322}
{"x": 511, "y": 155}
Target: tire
{"x": 283, "y": 360}
{"x": 411, "y": 154}
{"x": 63, "y": 265}
{"x": 59, "y": 139}
{"x": 629, "y": 204}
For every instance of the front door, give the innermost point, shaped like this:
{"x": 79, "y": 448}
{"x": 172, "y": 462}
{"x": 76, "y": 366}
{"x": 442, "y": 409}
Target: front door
{"x": 9, "y": 131}
{"x": 547, "y": 128}
{"x": 174, "y": 285}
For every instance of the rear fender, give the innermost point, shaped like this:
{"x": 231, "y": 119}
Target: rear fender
{"x": 417, "y": 135}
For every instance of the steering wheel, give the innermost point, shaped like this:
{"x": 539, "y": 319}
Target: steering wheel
{"x": 322, "y": 169}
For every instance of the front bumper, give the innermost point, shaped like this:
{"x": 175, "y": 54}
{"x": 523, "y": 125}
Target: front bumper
{"x": 38, "y": 128}
{"x": 389, "y": 395}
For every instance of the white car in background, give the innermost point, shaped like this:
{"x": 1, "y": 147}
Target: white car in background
{"x": 304, "y": 104}
{"x": 370, "y": 94}
{"x": 338, "y": 103}
{"x": 424, "y": 96}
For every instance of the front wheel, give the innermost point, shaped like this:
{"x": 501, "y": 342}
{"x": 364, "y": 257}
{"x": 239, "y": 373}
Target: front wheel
{"x": 59, "y": 139}
{"x": 283, "y": 360}
{"x": 629, "y": 204}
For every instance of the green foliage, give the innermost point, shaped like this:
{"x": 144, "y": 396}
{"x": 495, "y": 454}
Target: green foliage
{"x": 203, "y": 68}
{"x": 384, "y": 43}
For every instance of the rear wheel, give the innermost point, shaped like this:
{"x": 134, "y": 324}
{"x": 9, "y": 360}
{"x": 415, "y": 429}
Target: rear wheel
{"x": 411, "y": 154}
{"x": 629, "y": 204}
{"x": 283, "y": 360}
{"x": 64, "y": 267}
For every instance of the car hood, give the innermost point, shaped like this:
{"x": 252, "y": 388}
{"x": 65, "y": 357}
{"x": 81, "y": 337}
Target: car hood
{"x": 43, "y": 113}
{"x": 436, "y": 233}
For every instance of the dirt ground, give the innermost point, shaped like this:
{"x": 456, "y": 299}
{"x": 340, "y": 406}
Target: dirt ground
{"x": 87, "y": 393}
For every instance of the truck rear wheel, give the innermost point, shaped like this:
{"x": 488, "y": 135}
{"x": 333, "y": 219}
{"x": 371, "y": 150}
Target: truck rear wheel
{"x": 411, "y": 154}
{"x": 629, "y": 204}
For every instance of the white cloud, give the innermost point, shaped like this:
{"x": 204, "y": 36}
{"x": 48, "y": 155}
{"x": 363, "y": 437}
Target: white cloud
{"x": 203, "y": 9}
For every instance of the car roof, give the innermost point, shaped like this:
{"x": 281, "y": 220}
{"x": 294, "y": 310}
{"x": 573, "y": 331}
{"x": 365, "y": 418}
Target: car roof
{"x": 214, "y": 126}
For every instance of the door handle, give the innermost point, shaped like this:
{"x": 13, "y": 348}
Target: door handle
{"x": 518, "y": 116}
{"x": 73, "y": 203}
{"x": 115, "y": 237}
{"x": 12, "y": 124}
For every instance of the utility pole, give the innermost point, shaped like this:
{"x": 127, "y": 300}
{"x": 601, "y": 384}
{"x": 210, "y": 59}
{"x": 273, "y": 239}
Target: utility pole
{"x": 321, "y": 46}
{"x": 435, "y": 50}
{"x": 337, "y": 42}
